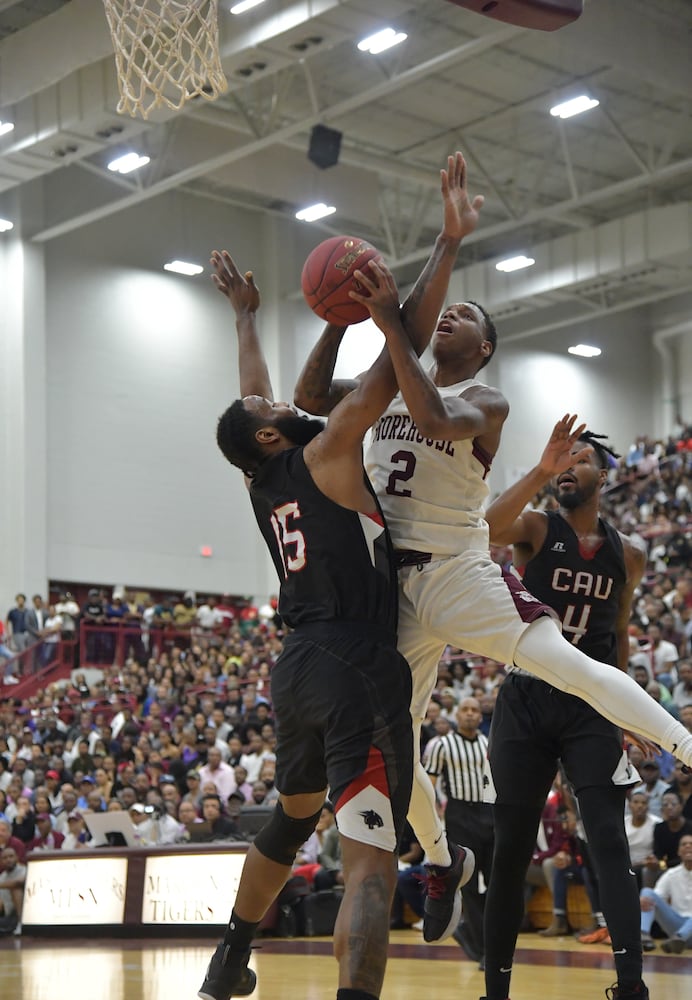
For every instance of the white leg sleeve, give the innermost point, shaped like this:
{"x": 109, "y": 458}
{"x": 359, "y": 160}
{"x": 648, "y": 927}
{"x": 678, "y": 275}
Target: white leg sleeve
{"x": 543, "y": 651}
{"x": 422, "y": 812}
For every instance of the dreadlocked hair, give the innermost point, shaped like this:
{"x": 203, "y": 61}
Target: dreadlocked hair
{"x": 235, "y": 436}
{"x": 607, "y": 457}
{"x": 490, "y": 331}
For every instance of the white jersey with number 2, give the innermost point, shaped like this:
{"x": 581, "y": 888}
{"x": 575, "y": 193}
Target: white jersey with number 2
{"x": 433, "y": 493}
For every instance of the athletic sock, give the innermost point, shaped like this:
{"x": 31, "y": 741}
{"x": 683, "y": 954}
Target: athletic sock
{"x": 239, "y": 933}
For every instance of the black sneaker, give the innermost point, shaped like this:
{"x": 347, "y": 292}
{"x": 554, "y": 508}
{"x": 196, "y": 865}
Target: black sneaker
{"x": 442, "y": 908}
{"x": 462, "y": 937}
{"x": 227, "y": 975}
{"x": 639, "y": 992}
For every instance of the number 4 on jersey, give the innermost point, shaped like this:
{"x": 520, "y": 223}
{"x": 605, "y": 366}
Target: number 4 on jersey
{"x": 575, "y": 629}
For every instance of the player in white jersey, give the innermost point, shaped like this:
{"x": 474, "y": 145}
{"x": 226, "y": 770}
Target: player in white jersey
{"x": 428, "y": 461}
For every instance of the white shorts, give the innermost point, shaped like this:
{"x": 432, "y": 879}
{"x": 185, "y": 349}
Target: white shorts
{"x": 466, "y": 601}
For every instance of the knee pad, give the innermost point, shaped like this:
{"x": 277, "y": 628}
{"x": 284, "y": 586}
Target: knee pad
{"x": 280, "y": 838}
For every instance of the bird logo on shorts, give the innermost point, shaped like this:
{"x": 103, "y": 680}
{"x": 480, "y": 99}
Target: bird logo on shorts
{"x": 372, "y": 819}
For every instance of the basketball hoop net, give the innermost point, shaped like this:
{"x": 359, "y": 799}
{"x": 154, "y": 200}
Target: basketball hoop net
{"x": 166, "y": 52}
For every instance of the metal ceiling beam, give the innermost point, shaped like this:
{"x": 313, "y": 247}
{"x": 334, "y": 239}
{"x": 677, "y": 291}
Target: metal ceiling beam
{"x": 458, "y": 54}
{"x": 553, "y": 211}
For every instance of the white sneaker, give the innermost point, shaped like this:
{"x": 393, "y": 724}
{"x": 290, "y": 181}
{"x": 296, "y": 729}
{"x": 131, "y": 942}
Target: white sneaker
{"x": 18, "y": 930}
{"x": 11, "y": 679}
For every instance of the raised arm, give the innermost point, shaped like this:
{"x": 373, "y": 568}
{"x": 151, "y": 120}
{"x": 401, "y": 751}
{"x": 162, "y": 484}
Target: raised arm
{"x": 242, "y": 293}
{"x": 424, "y": 303}
{"x": 635, "y": 564}
{"x": 316, "y": 390}
{"x": 509, "y": 523}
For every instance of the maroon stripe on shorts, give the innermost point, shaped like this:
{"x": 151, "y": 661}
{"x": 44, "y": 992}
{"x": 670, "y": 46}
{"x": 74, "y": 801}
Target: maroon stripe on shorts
{"x": 528, "y": 606}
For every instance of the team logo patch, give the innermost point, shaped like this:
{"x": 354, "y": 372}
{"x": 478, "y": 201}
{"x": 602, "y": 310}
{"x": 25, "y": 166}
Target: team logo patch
{"x": 372, "y": 819}
{"x": 558, "y": 547}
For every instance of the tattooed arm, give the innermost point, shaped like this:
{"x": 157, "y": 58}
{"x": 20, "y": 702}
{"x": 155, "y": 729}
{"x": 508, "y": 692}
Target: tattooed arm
{"x": 421, "y": 310}
{"x": 316, "y": 391}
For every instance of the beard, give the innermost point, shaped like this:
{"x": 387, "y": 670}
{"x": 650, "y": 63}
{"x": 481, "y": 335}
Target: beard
{"x": 300, "y": 430}
{"x": 576, "y": 497}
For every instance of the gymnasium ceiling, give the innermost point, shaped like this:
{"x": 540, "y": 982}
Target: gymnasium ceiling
{"x": 606, "y": 179}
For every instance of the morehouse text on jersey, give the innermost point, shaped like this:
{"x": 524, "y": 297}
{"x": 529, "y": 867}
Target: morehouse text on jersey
{"x": 400, "y": 427}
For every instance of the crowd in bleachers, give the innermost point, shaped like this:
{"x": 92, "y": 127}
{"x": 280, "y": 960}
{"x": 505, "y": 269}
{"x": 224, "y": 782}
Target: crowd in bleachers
{"x": 181, "y": 735}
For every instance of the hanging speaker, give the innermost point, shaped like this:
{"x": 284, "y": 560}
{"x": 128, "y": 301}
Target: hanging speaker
{"x": 325, "y": 145}
{"x": 545, "y": 15}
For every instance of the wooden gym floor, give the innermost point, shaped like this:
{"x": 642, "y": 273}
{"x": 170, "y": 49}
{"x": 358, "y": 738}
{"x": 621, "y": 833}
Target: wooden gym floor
{"x": 172, "y": 969}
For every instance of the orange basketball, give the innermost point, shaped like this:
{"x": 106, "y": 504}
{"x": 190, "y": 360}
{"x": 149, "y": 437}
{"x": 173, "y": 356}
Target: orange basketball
{"x": 328, "y": 278}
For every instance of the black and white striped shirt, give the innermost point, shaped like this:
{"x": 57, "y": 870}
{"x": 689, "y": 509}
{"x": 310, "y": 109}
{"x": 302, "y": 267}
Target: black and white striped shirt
{"x": 460, "y": 762}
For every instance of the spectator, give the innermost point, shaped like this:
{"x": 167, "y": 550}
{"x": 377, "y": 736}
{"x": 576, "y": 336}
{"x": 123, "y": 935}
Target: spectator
{"x": 569, "y": 867}
{"x": 682, "y": 784}
{"x": 663, "y": 656}
{"x": 652, "y": 784}
{"x": 52, "y": 628}
{"x": 7, "y": 655}
{"x": 46, "y": 838}
{"x": 259, "y": 794}
{"x": 242, "y": 784}
{"x": 220, "y": 826}
{"x": 78, "y": 836}
{"x": 12, "y": 879}
{"x": 268, "y": 776}
{"x": 682, "y": 692}
{"x": 639, "y": 828}
{"x": 667, "y": 834}
{"x": 24, "y": 821}
{"x": 7, "y": 840}
{"x": 219, "y": 772}
{"x": 16, "y": 624}
{"x": 671, "y": 903}
{"x": 68, "y": 610}
{"x": 34, "y": 622}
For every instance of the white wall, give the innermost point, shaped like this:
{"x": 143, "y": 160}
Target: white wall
{"x": 140, "y": 363}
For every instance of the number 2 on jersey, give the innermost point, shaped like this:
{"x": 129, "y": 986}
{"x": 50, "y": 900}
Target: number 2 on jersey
{"x": 408, "y": 460}
{"x": 291, "y": 540}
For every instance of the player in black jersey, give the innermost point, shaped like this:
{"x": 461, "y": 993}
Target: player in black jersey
{"x": 340, "y": 690}
{"x": 579, "y": 565}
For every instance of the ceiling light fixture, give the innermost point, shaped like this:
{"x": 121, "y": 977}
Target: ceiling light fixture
{"x": 314, "y": 212}
{"x": 183, "y": 267}
{"x": 240, "y": 8}
{"x": 5, "y": 127}
{"x": 381, "y": 40}
{"x": 584, "y": 351}
{"x": 127, "y": 163}
{"x": 574, "y": 107}
{"x": 6, "y": 225}
{"x": 514, "y": 263}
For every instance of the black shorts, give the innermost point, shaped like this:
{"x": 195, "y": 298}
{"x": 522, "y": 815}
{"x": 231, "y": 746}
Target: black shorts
{"x": 341, "y": 695}
{"x": 534, "y": 727}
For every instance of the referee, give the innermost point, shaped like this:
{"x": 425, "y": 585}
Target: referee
{"x": 459, "y": 759}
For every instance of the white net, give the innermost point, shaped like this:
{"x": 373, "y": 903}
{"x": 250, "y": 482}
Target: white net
{"x": 166, "y": 52}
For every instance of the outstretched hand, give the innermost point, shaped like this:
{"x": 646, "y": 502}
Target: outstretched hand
{"x": 380, "y": 294}
{"x": 557, "y": 455}
{"x": 460, "y": 213}
{"x": 239, "y": 289}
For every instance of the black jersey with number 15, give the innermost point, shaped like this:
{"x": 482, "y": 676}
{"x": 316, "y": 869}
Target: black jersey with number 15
{"x": 334, "y": 564}
{"x": 583, "y": 589}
